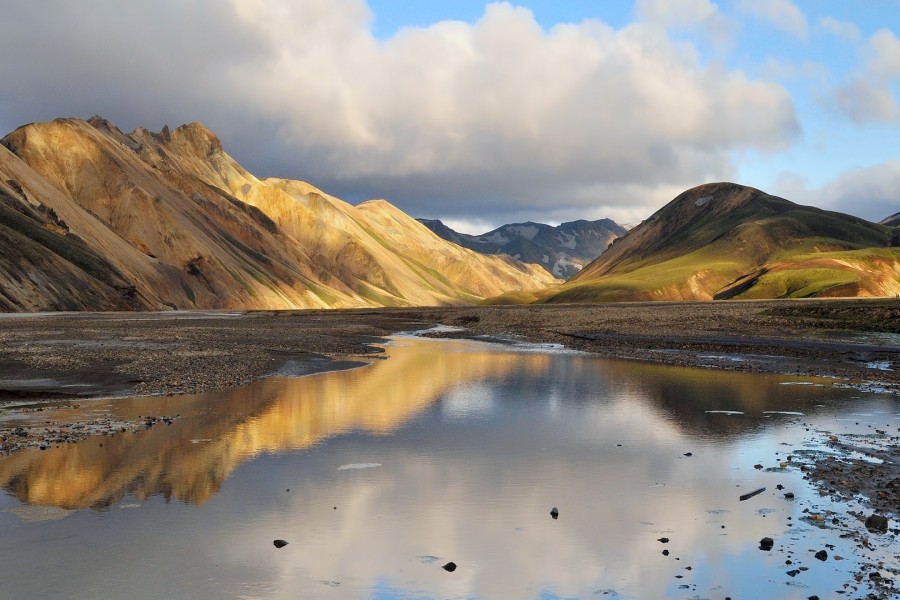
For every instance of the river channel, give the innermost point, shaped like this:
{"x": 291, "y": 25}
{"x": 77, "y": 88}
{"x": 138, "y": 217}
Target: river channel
{"x": 442, "y": 451}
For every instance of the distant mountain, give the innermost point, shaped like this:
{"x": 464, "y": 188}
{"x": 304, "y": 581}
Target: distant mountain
{"x": 891, "y": 221}
{"x": 92, "y": 218}
{"x": 723, "y": 240}
{"x": 561, "y": 250}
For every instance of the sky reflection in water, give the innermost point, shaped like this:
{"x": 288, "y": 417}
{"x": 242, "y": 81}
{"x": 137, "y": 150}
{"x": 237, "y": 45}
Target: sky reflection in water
{"x": 467, "y": 447}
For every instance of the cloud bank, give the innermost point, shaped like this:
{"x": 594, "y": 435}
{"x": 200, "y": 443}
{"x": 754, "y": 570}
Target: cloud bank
{"x": 500, "y": 119}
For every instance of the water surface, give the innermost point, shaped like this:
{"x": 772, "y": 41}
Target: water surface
{"x": 444, "y": 451}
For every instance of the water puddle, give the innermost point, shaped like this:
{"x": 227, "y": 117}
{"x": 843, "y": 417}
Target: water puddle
{"x": 379, "y": 478}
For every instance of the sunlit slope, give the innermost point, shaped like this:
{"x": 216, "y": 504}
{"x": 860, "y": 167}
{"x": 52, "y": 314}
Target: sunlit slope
{"x": 186, "y": 226}
{"x": 724, "y": 241}
{"x": 43, "y": 266}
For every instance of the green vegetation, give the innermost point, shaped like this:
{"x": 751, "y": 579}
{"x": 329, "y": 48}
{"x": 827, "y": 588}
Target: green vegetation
{"x": 370, "y": 293}
{"x": 740, "y": 243}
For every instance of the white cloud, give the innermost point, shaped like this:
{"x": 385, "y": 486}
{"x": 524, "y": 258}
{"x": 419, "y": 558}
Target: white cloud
{"x": 872, "y": 193}
{"x": 884, "y": 54}
{"x": 869, "y": 95}
{"x": 495, "y": 118}
{"x": 864, "y": 100}
{"x": 676, "y": 12}
{"x": 505, "y": 106}
{"x": 840, "y": 29}
{"x": 782, "y": 14}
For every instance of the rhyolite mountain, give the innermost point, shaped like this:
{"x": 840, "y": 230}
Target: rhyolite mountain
{"x": 723, "y": 240}
{"x": 562, "y": 250}
{"x": 891, "y": 221}
{"x": 92, "y": 218}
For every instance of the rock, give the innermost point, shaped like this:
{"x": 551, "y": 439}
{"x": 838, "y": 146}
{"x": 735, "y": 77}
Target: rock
{"x": 688, "y": 453}
{"x": 789, "y": 496}
{"x": 877, "y": 523}
{"x": 449, "y": 567}
{"x": 766, "y": 544}
{"x": 280, "y": 543}
{"x": 813, "y": 598}
{"x": 554, "y": 512}
{"x": 665, "y": 552}
{"x": 822, "y": 555}
{"x": 758, "y": 466}
{"x": 779, "y": 487}
{"x": 793, "y": 572}
{"x": 663, "y": 540}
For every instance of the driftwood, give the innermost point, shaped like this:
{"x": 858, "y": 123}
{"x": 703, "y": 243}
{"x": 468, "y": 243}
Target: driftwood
{"x": 753, "y": 493}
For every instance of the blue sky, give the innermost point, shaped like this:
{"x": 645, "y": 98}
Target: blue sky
{"x": 486, "y": 113}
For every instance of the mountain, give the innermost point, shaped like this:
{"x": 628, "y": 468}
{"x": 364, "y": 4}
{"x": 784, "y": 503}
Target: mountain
{"x": 891, "y": 221}
{"x": 92, "y": 218}
{"x": 561, "y": 250}
{"x": 723, "y": 240}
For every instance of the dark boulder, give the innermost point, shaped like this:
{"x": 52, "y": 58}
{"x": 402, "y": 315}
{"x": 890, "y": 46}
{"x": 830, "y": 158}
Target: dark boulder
{"x": 877, "y": 524}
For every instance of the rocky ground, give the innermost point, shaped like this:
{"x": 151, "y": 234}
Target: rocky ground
{"x": 74, "y": 355}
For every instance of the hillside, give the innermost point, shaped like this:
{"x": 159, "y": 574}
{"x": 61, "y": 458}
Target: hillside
{"x": 562, "y": 250}
{"x": 891, "y": 221}
{"x": 95, "y": 219}
{"x": 723, "y": 240}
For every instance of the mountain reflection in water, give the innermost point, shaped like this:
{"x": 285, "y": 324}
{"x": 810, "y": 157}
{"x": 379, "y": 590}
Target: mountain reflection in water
{"x": 190, "y": 459}
{"x": 474, "y": 443}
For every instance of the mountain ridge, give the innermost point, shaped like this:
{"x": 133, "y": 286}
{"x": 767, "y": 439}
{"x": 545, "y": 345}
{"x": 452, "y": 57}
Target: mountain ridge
{"x": 562, "y": 250}
{"x": 891, "y": 221}
{"x": 725, "y": 240}
{"x": 182, "y": 224}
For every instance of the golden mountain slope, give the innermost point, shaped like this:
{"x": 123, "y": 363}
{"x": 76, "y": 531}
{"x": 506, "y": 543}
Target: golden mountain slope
{"x": 724, "y": 240}
{"x": 181, "y": 224}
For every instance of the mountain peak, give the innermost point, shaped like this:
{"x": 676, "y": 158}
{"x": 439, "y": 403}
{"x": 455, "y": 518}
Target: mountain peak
{"x": 891, "y": 221}
{"x": 560, "y": 250}
{"x": 725, "y": 240}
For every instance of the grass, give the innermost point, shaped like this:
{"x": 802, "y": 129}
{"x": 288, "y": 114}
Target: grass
{"x": 799, "y": 283}
{"x": 800, "y": 271}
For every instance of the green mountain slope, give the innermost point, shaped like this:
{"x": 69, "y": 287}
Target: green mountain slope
{"x": 723, "y": 240}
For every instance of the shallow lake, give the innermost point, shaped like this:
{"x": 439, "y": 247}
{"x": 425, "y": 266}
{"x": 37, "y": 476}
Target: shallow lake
{"x": 442, "y": 451}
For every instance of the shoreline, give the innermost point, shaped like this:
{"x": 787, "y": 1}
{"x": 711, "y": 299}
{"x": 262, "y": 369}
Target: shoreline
{"x": 59, "y": 356}
{"x": 58, "y": 360}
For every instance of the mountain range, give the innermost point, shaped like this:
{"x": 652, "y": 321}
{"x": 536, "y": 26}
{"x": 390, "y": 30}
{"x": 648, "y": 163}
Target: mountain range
{"x": 562, "y": 250}
{"x": 724, "y": 240}
{"x": 92, "y": 218}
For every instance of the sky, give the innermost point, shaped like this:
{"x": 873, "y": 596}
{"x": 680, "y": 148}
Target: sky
{"x": 481, "y": 113}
